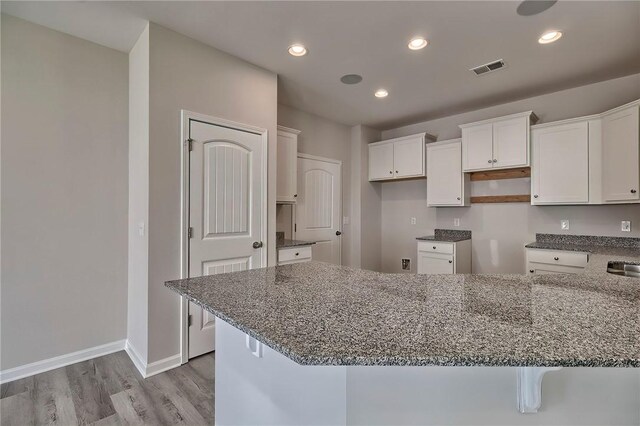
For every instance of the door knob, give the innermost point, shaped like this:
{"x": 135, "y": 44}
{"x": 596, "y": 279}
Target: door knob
{"x": 338, "y": 233}
{"x": 257, "y": 244}
{"x": 633, "y": 191}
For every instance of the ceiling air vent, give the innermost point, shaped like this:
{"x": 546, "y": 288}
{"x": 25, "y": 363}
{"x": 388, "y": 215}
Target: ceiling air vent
{"x": 491, "y": 66}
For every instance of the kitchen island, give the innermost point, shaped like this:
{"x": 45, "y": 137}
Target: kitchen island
{"x": 315, "y": 343}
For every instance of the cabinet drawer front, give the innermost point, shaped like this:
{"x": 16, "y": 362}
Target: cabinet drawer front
{"x": 556, "y": 257}
{"x": 435, "y": 263}
{"x": 294, "y": 253}
{"x": 534, "y": 268}
{"x": 434, "y": 247}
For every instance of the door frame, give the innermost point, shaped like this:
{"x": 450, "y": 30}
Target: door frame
{"x": 326, "y": 160}
{"x": 185, "y": 119}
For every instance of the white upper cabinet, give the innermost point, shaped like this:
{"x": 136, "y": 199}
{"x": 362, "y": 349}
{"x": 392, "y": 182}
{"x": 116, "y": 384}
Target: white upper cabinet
{"x": 499, "y": 143}
{"x": 380, "y": 161}
{"x": 398, "y": 158}
{"x": 560, "y": 163}
{"x": 408, "y": 157}
{"x": 446, "y": 184}
{"x": 287, "y": 170}
{"x": 621, "y": 155}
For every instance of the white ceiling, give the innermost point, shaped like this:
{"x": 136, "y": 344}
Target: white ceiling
{"x": 601, "y": 41}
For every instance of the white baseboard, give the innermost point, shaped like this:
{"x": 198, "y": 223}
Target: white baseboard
{"x": 27, "y": 370}
{"x": 148, "y": 370}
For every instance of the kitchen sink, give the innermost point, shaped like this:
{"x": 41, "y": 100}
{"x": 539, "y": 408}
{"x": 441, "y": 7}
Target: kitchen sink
{"x": 624, "y": 269}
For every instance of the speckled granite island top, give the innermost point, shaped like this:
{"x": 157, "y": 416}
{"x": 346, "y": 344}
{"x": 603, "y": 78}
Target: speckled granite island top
{"x": 292, "y": 243}
{"x": 321, "y": 314}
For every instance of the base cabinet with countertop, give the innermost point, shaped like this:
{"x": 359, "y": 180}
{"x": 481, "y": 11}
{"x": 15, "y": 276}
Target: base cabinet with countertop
{"x": 293, "y": 251}
{"x": 446, "y": 252}
{"x": 540, "y": 262}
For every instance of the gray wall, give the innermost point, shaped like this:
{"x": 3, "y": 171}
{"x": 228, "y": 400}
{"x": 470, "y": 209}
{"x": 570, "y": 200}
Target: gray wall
{"x": 501, "y": 230}
{"x": 187, "y": 74}
{"x": 138, "y": 290}
{"x": 324, "y": 138}
{"x": 64, "y": 194}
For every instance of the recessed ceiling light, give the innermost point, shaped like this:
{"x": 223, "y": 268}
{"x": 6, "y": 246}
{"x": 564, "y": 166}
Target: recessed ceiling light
{"x": 381, "y": 93}
{"x": 297, "y": 50}
{"x": 549, "y": 37}
{"x": 417, "y": 43}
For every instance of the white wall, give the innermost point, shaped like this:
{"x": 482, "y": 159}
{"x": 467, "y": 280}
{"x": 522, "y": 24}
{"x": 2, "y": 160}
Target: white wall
{"x": 501, "y": 230}
{"x": 138, "y": 290}
{"x": 64, "y": 194}
{"x": 187, "y": 74}
{"x": 366, "y": 222}
{"x": 324, "y": 138}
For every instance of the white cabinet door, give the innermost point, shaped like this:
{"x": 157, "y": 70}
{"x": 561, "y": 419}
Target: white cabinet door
{"x": 408, "y": 158}
{"x": 477, "y": 147}
{"x": 381, "y": 161}
{"x": 621, "y": 156}
{"x": 444, "y": 174}
{"x": 432, "y": 263}
{"x": 287, "y": 170}
{"x": 560, "y": 169}
{"x": 511, "y": 143}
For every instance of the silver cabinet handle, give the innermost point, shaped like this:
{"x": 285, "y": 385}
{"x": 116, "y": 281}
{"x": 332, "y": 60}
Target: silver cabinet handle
{"x": 495, "y": 161}
{"x": 390, "y": 172}
{"x": 531, "y": 271}
{"x": 396, "y": 172}
{"x": 489, "y": 161}
{"x": 556, "y": 258}
{"x": 535, "y": 196}
{"x": 297, "y": 254}
{"x": 434, "y": 247}
{"x": 451, "y": 261}
{"x": 633, "y": 191}
{"x": 458, "y": 198}
{"x": 257, "y": 244}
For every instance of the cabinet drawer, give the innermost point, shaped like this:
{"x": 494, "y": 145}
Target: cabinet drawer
{"x": 434, "y": 247}
{"x": 556, "y": 257}
{"x": 294, "y": 253}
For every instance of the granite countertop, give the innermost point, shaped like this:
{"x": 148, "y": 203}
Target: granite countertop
{"x": 321, "y": 314}
{"x": 447, "y": 236}
{"x": 584, "y": 243}
{"x": 284, "y": 243}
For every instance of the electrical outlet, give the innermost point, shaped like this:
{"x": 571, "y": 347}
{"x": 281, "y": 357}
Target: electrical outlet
{"x": 625, "y": 226}
{"x": 456, "y": 221}
{"x": 406, "y": 264}
{"x": 564, "y": 225}
{"x": 413, "y": 221}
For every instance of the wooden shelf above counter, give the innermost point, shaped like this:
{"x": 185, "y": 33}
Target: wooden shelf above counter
{"x": 521, "y": 172}
{"x": 523, "y": 198}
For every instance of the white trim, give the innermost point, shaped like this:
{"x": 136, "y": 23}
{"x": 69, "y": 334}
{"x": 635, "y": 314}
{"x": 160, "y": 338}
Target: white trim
{"x": 533, "y": 118}
{"x": 318, "y": 158}
{"x": 135, "y": 357}
{"x": 184, "y": 214}
{"x": 426, "y": 137}
{"x": 289, "y": 130}
{"x": 37, "y": 367}
{"x": 148, "y": 370}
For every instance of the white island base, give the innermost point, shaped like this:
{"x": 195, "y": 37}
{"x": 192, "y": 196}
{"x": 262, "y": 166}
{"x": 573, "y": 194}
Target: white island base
{"x": 255, "y": 385}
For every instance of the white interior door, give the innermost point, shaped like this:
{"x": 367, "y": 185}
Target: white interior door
{"x": 319, "y": 207}
{"x": 225, "y": 212}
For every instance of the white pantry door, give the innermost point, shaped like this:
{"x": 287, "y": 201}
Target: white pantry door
{"x": 319, "y": 206}
{"x": 226, "y": 179}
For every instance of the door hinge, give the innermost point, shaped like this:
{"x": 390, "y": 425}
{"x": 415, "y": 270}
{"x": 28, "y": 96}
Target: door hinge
{"x": 190, "y": 232}
{"x": 190, "y": 143}
{"x": 190, "y": 320}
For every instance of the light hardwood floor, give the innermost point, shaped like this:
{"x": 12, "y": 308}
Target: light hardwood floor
{"x": 110, "y": 391}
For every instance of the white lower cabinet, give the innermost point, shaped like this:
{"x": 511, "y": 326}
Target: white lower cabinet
{"x": 541, "y": 262}
{"x": 290, "y": 255}
{"x": 437, "y": 257}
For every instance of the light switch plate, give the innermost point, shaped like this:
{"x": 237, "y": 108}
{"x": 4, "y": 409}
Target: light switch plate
{"x": 456, "y": 221}
{"x": 625, "y": 226}
{"x": 141, "y": 229}
{"x": 413, "y": 220}
{"x": 564, "y": 225}
{"x": 345, "y": 220}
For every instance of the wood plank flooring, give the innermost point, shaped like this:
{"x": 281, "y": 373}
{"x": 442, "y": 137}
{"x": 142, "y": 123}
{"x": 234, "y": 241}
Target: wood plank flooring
{"x": 109, "y": 391}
